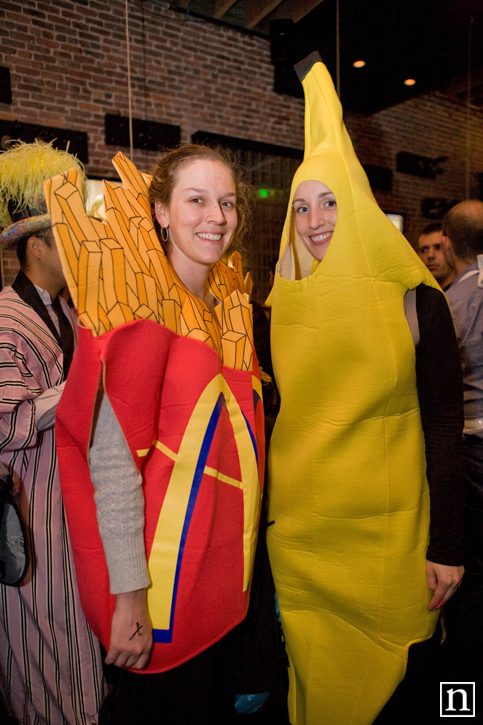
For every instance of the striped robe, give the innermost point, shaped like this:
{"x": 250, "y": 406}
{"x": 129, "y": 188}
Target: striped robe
{"x": 50, "y": 665}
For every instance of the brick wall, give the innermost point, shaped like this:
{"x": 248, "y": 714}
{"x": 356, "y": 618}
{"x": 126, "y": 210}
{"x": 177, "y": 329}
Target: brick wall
{"x": 430, "y": 126}
{"x": 68, "y": 68}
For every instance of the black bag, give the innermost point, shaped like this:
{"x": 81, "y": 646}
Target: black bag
{"x": 14, "y": 560}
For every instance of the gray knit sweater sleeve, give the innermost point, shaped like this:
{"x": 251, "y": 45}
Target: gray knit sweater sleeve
{"x": 119, "y": 501}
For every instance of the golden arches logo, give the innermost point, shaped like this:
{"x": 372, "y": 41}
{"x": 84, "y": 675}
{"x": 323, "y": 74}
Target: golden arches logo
{"x": 189, "y": 467}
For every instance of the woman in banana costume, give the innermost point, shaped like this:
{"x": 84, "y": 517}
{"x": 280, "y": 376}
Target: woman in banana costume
{"x": 349, "y": 497}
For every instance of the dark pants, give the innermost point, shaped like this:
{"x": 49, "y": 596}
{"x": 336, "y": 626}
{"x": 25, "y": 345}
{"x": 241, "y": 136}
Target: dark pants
{"x": 416, "y": 700}
{"x": 250, "y": 659}
{"x": 463, "y": 649}
{"x": 195, "y": 692}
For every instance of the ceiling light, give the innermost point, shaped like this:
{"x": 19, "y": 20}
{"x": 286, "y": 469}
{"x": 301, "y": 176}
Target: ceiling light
{"x": 359, "y": 64}
{"x": 409, "y": 82}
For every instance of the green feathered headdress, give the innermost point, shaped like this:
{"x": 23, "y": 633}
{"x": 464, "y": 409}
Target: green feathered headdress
{"x": 23, "y": 170}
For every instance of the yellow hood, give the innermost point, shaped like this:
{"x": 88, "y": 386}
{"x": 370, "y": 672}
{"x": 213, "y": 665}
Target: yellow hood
{"x": 365, "y": 242}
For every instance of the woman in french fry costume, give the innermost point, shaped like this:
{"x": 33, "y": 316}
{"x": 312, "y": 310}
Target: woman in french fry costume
{"x": 348, "y": 492}
{"x": 160, "y": 431}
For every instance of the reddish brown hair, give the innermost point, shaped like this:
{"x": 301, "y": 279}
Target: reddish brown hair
{"x": 164, "y": 174}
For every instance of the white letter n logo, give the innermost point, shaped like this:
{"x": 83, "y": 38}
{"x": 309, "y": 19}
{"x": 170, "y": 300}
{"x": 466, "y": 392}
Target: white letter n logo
{"x": 464, "y": 701}
{"x": 457, "y": 699}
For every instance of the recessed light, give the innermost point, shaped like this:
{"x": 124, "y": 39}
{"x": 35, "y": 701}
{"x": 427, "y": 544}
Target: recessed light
{"x": 359, "y": 64}
{"x": 409, "y": 82}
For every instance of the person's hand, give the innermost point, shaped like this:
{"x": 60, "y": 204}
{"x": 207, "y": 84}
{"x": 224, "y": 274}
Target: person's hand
{"x": 444, "y": 581}
{"x": 131, "y": 631}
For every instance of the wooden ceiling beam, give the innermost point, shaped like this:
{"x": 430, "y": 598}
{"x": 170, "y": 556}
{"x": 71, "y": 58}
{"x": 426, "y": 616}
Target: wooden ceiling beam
{"x": 294, "y": 9}
{"x": 255, "y": 11}
{"x": 222, "y": 7}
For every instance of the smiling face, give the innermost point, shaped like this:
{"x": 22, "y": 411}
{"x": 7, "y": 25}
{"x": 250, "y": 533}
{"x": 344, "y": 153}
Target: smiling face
{"x": 315, "y": 210}
{"x": 201, "y": 216}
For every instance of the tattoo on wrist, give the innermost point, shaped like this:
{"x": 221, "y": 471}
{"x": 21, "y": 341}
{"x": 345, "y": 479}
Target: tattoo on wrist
{"x": 136, "y": 631}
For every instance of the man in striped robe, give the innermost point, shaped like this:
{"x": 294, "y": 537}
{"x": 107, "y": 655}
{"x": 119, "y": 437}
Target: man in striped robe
{"x": 50, "y": 664}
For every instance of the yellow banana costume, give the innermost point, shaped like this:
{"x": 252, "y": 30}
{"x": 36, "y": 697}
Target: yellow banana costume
{"x": 349, "y": 496}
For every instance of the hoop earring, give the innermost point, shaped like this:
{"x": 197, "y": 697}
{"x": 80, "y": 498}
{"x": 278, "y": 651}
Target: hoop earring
{"x": 164, "y": 234}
